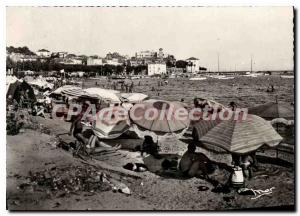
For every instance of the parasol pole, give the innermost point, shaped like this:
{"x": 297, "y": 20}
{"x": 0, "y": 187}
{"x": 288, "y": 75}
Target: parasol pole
{"x": 276, "y": 101}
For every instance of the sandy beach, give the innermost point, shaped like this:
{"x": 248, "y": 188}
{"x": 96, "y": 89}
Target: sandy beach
{"x": 36, "y": 151}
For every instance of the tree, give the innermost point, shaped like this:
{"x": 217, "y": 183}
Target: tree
{"x": 139, "y": 69}
{"x": 170, "y": 63}
{"x": 119, "y": 69}
{"x": 181, "y": 64}
{"x": 129, "y": 69}
{"x": 22, "y": 50}
{"x": 9, "y": 63}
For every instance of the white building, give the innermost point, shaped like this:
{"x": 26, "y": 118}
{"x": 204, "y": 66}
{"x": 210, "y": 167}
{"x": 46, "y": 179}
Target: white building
{"x": 43, "y": 53}
{"x": 72, "y": 61}
{"x": 145, "y": 54}
{"x": 113, "y": 61}
{"x": 60, "y": 54}
{"x": 157, "y": 68}
{"x": 193, "y": 65}
{"x": 94, "y": 61}
{"x": 18, "y": 57}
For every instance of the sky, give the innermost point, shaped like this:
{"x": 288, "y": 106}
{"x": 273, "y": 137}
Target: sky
{"x": 233, "y": 33}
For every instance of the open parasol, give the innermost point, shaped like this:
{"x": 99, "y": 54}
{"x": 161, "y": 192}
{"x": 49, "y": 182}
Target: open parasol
{"x": 236, "y": 136}
{"x": 273, "y": 110}
{"x": 163, "y": 122}
{"x": 105, "y": 94}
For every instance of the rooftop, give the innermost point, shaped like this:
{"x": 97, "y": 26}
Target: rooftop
{"x": 192, "y": 58}
{"x": 43, "y": 50}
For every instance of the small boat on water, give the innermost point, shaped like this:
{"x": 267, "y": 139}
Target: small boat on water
{"x": 197, "y": 78}
{"x": 287, "y": 76}
{"x": 253, "y": 75}
{"x": 223, "y": 77}
{"x": 226, "y": 78}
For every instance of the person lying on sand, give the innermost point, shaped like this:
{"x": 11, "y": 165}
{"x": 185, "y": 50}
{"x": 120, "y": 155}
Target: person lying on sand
{"x": 195, "y": 164}
{"x": 95, "y": 145}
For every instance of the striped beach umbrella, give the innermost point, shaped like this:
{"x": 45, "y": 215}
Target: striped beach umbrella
{"x": 236, "y": 136}
{"x": 78, "y": 93}
{"x": 62, "y": 88}
{"x": 157, "y": 118}
{"x": 73, "y": 92}
{"x": 273, "y": 110}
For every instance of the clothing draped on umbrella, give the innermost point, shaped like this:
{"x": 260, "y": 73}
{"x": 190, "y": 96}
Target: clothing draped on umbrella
{"x": 111, "y": 123}
{"x": 163, "y": 124}
{"x": 282, "y": 121}
{"x": 207, "y": 107}
{"x": 236, "y": 136}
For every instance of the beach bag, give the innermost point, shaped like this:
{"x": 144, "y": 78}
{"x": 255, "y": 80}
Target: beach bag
{"x": 237, "y": 178}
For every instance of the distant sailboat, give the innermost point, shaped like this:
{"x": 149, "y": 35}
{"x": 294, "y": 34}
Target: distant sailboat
{"x": 251, "y": 73}
{"x": 287, "y": 76}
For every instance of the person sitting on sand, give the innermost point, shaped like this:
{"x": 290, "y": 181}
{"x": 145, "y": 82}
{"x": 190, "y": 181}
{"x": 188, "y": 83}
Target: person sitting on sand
{"x": 77, "y": 128}
{"x": 196, "y": 102}
{"x": 194, "y": 164}
{"x": 92, "y": 141}
{"x": 247, "y": 162}
{"x": 203, "y": 103}
{"x": 150, "y": 147}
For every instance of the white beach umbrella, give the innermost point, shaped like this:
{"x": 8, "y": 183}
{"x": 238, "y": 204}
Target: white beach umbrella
{"x": 133, "y": 97}
{"x": 105, "y": 94}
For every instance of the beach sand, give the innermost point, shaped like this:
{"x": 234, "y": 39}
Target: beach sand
{"x": 33, "y": 151}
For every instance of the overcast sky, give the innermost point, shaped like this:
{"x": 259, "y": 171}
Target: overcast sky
{"x": 202, "y": 32}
